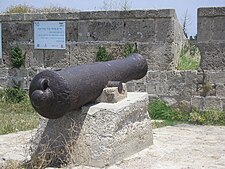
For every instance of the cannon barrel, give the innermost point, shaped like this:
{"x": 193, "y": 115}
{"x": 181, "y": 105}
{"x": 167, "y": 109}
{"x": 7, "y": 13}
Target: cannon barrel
{"x": 53, "y": 93}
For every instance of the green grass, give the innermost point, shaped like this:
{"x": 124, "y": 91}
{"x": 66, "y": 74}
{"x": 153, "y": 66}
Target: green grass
{"x": 17, "y": 117}
{"x": 160, "y": 110}
{"x": 189, "y": 58}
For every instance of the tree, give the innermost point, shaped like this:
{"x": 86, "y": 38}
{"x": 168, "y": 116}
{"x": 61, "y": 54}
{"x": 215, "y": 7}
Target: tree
{"x": 186, "y": 23}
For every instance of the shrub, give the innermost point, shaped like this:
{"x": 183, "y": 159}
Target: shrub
{"x": 160, "y": 110}
{"x": 130, "y": 48}
{"x": 189, "y": 58}
{"x": 17, "y": 57}
{"x": 21, "y": 8}
{"x": 14, "y": 95}
{"x": 102, "y": 55}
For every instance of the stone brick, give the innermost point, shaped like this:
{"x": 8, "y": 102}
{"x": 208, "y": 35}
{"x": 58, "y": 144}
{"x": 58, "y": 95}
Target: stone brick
{"x": 218, "y": 31}
{"x": 212, "y": 11}
{"x": 112, "y": 95}
{"x": 197, "y": 102}
{"x": 212, "y": 56}
{"x": 4, "y": 72}
{"x": 220, "y": 90}
{"x": 217, "y": 77}
{"x": 164, "y": 30}
{"x": 101, "y": 134}
{"x": 72, "y": 30}
{"x": 100, "y": 30}
{"x": 34, "y": 17}
{"x": 163, "y": 13}
{"x": 57, "y": 58}
{"x": 223, "y": 103}
{"x": 213, "y": 103}
{"x": 4, "y": 82}
{"x": 205, "y": 29}
{"x": 139, "y": 30}
{"x": 130, "y": 86}
{"x": 17, "y": 32}
{"x": 159, "y": 56}
{"x": 191, "y": 77}
{"x": 81, "y": 53}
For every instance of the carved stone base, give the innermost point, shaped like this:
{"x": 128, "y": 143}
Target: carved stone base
{"x": 101, "y": 134}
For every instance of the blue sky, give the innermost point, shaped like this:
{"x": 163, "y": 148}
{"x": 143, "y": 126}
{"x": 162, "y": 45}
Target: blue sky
{"x": 181, "y": 6}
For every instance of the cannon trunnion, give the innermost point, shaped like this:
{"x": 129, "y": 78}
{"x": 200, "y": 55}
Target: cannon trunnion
{"x": 54, "y": 93}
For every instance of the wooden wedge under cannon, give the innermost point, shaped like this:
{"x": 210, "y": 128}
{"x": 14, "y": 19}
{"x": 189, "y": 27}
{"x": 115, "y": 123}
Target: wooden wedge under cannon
{"x": 55, "y": 93}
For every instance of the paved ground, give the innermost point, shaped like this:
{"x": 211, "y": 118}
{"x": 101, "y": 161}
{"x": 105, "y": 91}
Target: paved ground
{"x": 177, "y": 147}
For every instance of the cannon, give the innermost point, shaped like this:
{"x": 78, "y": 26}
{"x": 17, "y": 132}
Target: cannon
{"x": 53, "y": 93}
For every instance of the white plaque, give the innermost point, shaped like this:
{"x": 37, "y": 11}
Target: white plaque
{"x": 0, "y": 40}
{"x": 49, "y": 35}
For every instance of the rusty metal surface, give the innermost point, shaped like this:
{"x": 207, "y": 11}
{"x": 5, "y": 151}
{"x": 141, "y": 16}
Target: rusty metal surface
{"x": 54, "y": 93}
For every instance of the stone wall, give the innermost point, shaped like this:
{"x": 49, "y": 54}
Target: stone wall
{"x": 211, "y": 37}
{"x": 184, "y": 89}
{"x": 156, "y": 33}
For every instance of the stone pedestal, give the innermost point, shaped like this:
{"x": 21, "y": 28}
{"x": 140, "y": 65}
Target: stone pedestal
{"x": 101, "y": 134}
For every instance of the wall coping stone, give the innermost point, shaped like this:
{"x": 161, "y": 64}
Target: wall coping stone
{"x": 211, "y": 11}
{"x": 87, "y": 15}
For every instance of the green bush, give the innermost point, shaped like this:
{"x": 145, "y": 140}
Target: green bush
{"x": 17, "y": 57}
{"x": 21, "y": 8}
{"x": 160, "y": 110}
{"x": 130, "y": 48}
{"x": 14, "y": 95}
{"x": 189, "y": 58}
{"x": 102, "y": 55}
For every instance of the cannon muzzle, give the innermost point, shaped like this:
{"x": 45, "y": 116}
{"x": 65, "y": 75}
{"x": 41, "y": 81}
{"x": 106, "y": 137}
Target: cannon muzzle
{"x": 54, "y": 93}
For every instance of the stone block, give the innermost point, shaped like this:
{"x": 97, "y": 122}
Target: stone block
{"x": 205, "y": 29}
{"x": 72, "y": 30}
{"x": 34, "y": 17}
{"x": 100, "y": 30}
{"x": 134, "y": 14}
{"x": 212, "y": 56}
{"x": 223, "y": 103}
{"x": 159, "y": 56}
{"x": 191, "y": 77}
{"x": 17, "y": 32}
{"x": 220, "y": 90}
{"x": 112, "y": 95}
{"x": 211, "y": 11}
{"x": 130, "y": 86}
{"x": 101, "y": 134}
{"x": 164, "y": 30}
{"x": 57, "y": 58}
{"x": 156, "y": 76}
{"x": 213, "y": 103}
{"x": 217, "y": 77}
{"x": 4, "y": 72}
{"x": 139, "y": 30}
{"x": 218, "y": 31}
{"x": 81, "y": 53}
{"x": 157, "y": 88}
{"x": 4, "y": 81}
{"x": 197, "y": 102}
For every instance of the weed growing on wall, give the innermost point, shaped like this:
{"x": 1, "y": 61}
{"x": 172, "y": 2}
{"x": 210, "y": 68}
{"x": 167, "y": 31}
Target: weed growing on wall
{"x": 102, "y": 55}
{"x": 160, "y": 110}
{"x": 17, "y": 57}
{"x": 23, "y": 8}
{"x": 189, "y": 58}
{"x": 130, "y": 48}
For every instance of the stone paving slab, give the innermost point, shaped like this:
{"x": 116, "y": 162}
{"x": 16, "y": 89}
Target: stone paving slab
{"x": 175, "y": 147}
